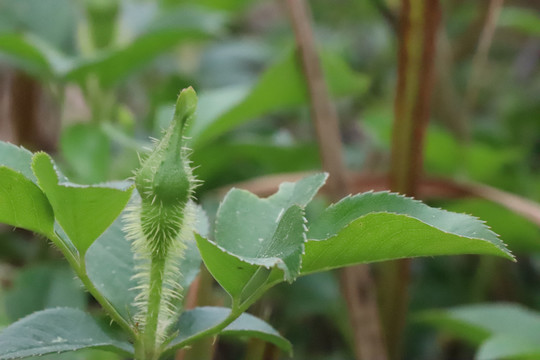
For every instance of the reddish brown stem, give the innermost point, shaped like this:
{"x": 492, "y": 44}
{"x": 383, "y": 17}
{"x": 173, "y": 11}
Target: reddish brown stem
{"x": 357, "y": 285}
{"x": 419, "y": 24}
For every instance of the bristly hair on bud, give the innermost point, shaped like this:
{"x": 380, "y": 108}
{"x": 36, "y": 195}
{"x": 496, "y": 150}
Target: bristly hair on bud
{"x": 161, "y": 221}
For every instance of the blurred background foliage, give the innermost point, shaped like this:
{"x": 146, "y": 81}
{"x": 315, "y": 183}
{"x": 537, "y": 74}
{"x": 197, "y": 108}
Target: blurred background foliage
{"x": 91, "y": 80}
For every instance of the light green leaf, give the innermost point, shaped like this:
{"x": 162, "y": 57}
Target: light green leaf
{"x": 41, "y": 287}
{"x": 223, "y": 109}
{"x": 194, "y": 323}
{"x": 23, "y": 204}
{"x": 252, "y": 233}
{"x": 112, "y": 66}
{"x": 17, "y": 158}
{"x": 54, "y": 331}
{"x": 510, "y": 346}
{"x": 84, "y": 212}
{"x": 383, "y": 226}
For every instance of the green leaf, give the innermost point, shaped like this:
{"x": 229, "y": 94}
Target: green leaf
{"x": 520, "y": 234}
{"x": 17, "y": 158}
{"x": 510, "y": 346}
{"x": 382, "y": 226}
{"x": 54, "y": 331}
{"x": 223, "y": 109}
{"x": 252, "y": 233}
{"x": 521, "y": 19}
{"x": 23, "y": 204}
{"x": 505, "y": 330}
{"x": 112, "y": 66}
{"x": 41, "y": 287}
{"x": 30, "y": 53}
{"x": 84, "y": 212}
{"x": 86, "y": 149}
{"x": 193, "y": 324}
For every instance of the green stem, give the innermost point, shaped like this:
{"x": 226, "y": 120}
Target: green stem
{"x": 79, "y": 265}
{"x": 157, "y": 268}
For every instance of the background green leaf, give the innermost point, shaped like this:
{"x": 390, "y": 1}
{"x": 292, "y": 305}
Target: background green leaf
{"x": 17, "y": 158}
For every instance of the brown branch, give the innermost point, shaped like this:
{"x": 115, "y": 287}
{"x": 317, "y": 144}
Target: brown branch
{"x": 356, "y": 283}
{"x": 481, "y": 56}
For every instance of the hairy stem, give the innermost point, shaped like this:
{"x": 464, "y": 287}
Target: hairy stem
{"x": 157, "y": 270}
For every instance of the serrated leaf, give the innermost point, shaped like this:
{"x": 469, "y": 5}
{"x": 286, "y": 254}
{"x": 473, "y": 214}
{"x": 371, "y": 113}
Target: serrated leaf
{"x": 17, "y": 158}
{"x": 193, "y": 323}
{"x": 56, "y": 330}
{"x": 252, "y": 233}
{"x": 23, "y": 204}
{"x": 223, "y": 109}
{"x": 84, "y": 212}
{"x": 383, "y": 226}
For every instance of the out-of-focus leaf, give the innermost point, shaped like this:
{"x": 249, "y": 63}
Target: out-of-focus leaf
{"x": 521, "y": 19}
{"x": 504, "y": 330}
{"x": 23, "y": 204}
{"x": 54, "y": 331}
{"x": 41, "y": 287}
{"x": 281, "y": 86}
{"x": 87, "y": 151}
{"x": 383, "y": 226}
{"x": 84, "y": 212}
{"x": 33, "y": 55}
{"x": 112, "y": 66}
{"x": 194, "y": 322}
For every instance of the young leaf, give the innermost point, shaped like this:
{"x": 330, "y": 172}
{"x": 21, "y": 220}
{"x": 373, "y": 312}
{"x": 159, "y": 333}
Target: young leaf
{"x": 383, "y": 226}
{"x": 84, "y": 212}
{"x": 510, "y": 346}
{"x": 194, "y": 324}
{"x": 54, "y": 331}
{"x": 23, "y": 204}
{"x": 252, "y": 233}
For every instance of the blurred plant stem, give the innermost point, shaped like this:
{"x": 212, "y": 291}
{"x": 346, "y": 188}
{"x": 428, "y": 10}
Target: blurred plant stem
{"x": 356, "y": 282}
{"x": 419, "y": 23}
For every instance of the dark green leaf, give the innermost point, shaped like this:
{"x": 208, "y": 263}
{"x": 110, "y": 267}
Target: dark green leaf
{"x": 54, "y": 331}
